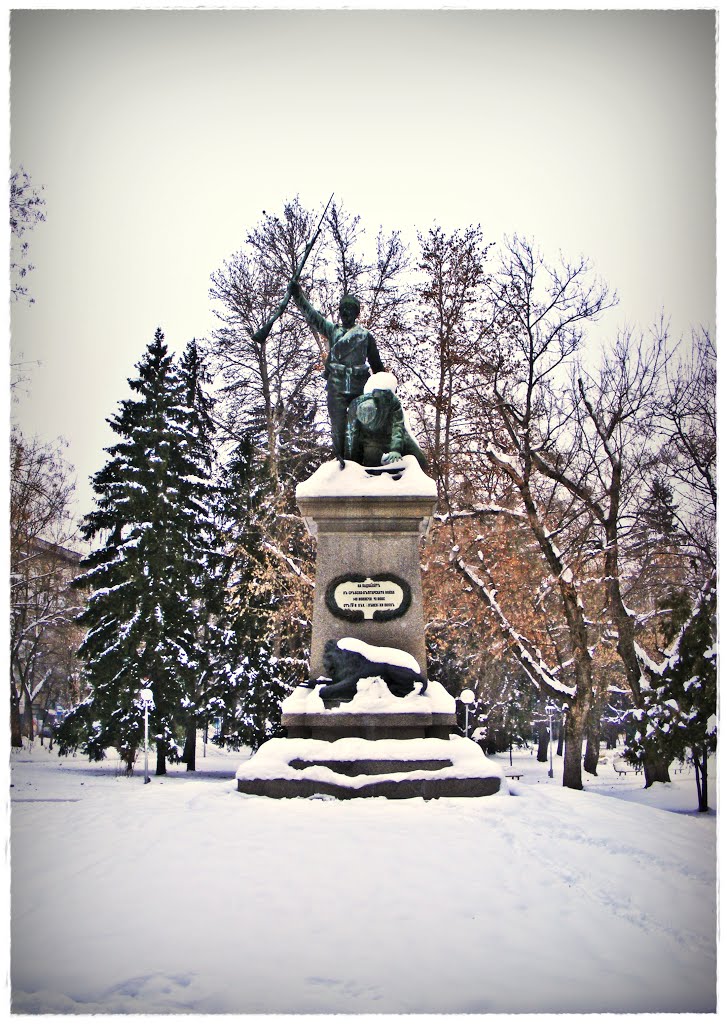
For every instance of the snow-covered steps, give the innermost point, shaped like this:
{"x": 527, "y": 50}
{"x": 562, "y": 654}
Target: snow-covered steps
{"x": 373, "y": 767}
{"x": 357, "y": 767}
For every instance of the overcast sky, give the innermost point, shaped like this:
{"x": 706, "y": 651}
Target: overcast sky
{"x": 161, "y": 136}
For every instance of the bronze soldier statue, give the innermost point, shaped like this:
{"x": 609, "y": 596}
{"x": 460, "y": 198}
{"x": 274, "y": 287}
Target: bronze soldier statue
{"x": 351, "y": 348}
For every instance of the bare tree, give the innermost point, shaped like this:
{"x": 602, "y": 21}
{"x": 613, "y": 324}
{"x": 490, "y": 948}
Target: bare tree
{"x": 26, "y": 210}
{"x": 264, "y": 382}
{"x": 446, "y": 344}
{"x": 345, "y": 234}
{"x": 601, "y": 453}
{"x": 386, "y": 296}
{"x": 601, "y": 459}
{"x": 688, "y": 422}
{"x": 541, "y": 311}
{"x": 41, "y": 567}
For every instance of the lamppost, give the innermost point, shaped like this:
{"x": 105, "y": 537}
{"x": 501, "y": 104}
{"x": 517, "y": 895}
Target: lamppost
{"x": 146, "y": 697}
{"x": 550, "y": 710}
{"x": 467, "y": 697}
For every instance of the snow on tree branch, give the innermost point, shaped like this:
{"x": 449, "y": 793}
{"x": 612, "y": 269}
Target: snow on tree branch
{"x": 532, "y": 663}
{"x": 268, "y": 546}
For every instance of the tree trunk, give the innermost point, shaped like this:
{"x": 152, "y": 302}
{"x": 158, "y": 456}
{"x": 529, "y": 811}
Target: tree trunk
{"x": 161, "y": 757}
{"x": 190, "y": 747}
{"x": 16, "y": 731}
{"x": 700, "y": 773}
{"x": 542, "y": 742}
{"x": 656, "y": 768}
{"x": 49, "y": 696}
{"x": 578, "y": 633}
{"x": 272, "y": 453}
{"x": 611, "y": 736}
{"x": 697, "y": 780}
{"x": 29, "y": 731}
{"x": 593, "y": 740}
{"x": 561, "y": 736}
{"x": 575, "y": 722}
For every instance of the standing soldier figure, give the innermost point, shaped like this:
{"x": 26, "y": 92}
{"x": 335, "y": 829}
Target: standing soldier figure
{"x": 351, "y": 347}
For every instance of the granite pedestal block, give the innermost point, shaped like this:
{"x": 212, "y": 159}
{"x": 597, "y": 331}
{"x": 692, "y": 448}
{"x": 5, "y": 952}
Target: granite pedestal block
{"x": 368, "y": 529}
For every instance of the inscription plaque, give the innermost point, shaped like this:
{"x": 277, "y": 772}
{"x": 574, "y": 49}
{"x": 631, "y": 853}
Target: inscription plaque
{"x": 380, "y": 597}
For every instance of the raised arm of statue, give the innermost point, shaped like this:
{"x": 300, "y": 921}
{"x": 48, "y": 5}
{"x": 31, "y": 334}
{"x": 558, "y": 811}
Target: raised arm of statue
{"x": 316, "y": 320}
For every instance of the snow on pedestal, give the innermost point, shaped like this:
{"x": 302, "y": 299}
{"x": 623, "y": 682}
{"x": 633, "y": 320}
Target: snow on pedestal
{"x": 373, "y": 695}
{"x": 374, "y": 711}
{"x": 330, "y": 481}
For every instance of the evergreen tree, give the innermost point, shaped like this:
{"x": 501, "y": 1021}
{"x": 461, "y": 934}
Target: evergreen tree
{"x": 679, "y": 714}
{"x": 246, "y": 688}
{"x": 144, "y": 578}
{"x": 197, "y": 498}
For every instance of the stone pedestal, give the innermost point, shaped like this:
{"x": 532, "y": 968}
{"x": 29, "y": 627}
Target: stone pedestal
{"x": 368, "y": 528}
{"x": 368, "y": 587}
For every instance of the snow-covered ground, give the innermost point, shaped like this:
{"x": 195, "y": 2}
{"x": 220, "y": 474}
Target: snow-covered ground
{"x": 186, "y": 896}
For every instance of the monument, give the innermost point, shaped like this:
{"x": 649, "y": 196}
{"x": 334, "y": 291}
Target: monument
{"x": 369, "y": 722}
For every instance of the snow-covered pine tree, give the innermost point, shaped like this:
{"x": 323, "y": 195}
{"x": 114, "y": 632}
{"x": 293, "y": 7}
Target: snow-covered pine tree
{"x": 680, "y": 706}
{"x": 144, "y": 577}
{"x": 246, "y": 688}
{"x": 197, "y": 495}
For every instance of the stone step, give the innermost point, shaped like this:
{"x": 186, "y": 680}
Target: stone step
{"x": 333, "y": 725}
{"x": 372, "y": 766}
{"x": 351, "y": 767}
{"x": 393, "y": 789}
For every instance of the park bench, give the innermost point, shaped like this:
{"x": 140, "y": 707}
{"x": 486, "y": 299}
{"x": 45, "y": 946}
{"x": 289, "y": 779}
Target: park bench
{"x": 622, "y": 770}
{"x": 513, "y": 776}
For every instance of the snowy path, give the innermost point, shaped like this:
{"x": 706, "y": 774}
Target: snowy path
{"x": 187, "y": 896}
